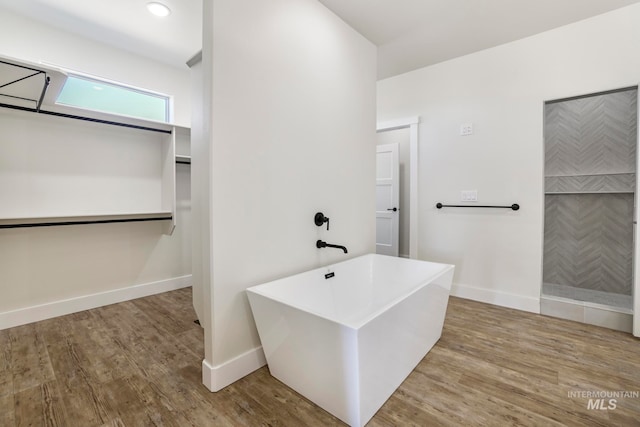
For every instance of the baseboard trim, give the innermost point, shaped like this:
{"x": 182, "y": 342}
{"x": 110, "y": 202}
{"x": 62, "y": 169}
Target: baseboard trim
{"x": 215, "y": 378}
{"x": 23, "y": 316}
{"x": 502, "y": 299}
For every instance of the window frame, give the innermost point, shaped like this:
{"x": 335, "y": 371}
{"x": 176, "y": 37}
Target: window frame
{"x": 168, "y": 99}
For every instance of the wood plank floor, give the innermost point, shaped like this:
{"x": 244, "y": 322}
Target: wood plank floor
{"x": 138, "y": 364}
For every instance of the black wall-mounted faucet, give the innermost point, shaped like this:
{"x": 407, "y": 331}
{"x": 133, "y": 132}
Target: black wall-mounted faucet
{"x": 320, "y": 219}
{"x": 320, "y": 244}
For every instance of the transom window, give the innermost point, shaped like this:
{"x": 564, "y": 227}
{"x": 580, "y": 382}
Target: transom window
{"x": 108, "y": 97}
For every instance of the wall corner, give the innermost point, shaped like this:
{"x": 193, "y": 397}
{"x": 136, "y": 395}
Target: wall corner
{"x": 215, "y": 378}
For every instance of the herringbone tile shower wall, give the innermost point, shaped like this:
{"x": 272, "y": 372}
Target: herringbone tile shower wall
{"x": 595, "y": 135}
{"x": 588, "y": 238}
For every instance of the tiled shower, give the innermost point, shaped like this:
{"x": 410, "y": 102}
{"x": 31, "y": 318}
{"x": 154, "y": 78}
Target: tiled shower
{"x": 590, "y": 176}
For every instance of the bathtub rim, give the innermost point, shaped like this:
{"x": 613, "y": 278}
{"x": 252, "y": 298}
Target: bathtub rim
{"x": 366, "y": 319}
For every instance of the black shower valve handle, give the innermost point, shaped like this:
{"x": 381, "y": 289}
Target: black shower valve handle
{"x": 319, "y": 219}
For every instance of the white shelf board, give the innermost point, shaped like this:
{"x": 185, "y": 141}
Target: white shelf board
{"x": 85, "y": 218}
{"x": 183, "y": 159}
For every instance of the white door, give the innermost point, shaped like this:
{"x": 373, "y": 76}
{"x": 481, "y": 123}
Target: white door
{"x": 387, "y": 199}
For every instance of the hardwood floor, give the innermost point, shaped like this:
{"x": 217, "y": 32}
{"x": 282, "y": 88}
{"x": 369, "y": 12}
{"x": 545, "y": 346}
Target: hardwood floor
{"x": 138, "y": 364}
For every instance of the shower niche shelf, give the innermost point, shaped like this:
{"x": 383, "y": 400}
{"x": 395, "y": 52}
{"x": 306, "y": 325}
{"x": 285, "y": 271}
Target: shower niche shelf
{"x": 589, "y": 174}
{"x": 588, "y": 192}
{"x": 600, "y": 183}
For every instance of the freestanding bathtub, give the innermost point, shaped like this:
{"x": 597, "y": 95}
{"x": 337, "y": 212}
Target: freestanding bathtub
{"x": 346, "y": 336}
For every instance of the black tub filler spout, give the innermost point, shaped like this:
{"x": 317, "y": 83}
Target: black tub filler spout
{"x": 320, "y": 244}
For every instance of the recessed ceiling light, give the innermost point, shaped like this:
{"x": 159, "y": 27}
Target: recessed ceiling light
{"x": 158, "y": 9}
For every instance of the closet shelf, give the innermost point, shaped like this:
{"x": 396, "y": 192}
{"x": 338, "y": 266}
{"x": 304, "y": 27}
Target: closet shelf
{"x": 590, "y": 184}
{"x": 26, "y": 86}
{"x": 47, "y": 221}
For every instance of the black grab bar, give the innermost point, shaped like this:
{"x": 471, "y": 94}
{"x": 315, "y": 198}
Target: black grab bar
{"x": 514, "y": 206}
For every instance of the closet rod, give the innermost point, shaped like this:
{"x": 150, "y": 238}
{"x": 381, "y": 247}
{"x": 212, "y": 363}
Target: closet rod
{"x": 514, "y": 206}
{"x": 87, "y": 119}
{"x": 101, "y": 221}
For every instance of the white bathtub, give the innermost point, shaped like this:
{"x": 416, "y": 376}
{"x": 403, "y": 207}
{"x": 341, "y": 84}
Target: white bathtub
{"x": 347, "y": 342}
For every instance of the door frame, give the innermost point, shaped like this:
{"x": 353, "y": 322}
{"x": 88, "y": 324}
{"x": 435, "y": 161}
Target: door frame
{"x": 635, "y": 290}
{"x": 412, "y": 124}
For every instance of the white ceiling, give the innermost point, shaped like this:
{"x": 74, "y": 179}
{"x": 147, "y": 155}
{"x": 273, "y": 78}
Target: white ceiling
{"x": 125, "y": 24}
{"x": 410, "y": 34}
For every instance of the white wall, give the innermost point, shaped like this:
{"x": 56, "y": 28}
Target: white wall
{"x": 498, "y": 254}
{"x": 30, "y": 40}
{"x": 200, "y": 197}
{"x": 291, "y": 90}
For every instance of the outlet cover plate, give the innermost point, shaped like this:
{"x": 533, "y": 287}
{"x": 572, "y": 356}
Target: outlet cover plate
{"x": 469, "y": 195}
{"x": 466, "y": 129}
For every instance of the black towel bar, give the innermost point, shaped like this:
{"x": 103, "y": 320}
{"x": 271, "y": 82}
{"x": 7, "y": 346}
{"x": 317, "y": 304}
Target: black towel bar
{"x": 514, "y": 206}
